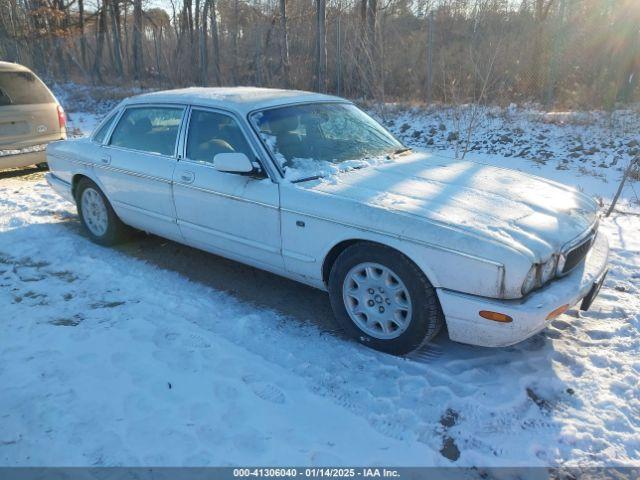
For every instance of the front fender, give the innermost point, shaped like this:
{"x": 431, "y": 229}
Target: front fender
{"x": 305, "y": 249}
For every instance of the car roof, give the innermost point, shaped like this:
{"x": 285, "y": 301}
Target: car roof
{"x": 12, "y": 67}
{"x": 240, "y": 99}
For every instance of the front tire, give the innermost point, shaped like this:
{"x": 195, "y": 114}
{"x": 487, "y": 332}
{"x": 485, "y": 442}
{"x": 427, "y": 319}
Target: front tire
{"x": 97, "y": 216}
{"x": 383, "y": 300}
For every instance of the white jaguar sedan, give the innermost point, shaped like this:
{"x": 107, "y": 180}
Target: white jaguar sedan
{"x": 309, "y": 187}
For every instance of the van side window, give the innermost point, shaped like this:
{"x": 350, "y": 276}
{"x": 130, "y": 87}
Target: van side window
{"x": 148, "y": 129}
{"x": 102, "y": 132}
{"x": 211, "y": 133}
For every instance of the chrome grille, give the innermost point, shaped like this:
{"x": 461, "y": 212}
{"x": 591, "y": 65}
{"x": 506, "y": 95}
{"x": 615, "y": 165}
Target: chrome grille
{"x": 577, "y": 254}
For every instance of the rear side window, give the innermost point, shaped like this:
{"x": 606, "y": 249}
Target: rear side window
{"x": 102, "y": 132}
{"x": 22, "y": 88}
{"x": 148, "y": 129}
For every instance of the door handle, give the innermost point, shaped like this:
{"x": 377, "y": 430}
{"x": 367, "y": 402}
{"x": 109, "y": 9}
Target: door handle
{"x": 105, "y": 159}
{"x": 187, "y": 177}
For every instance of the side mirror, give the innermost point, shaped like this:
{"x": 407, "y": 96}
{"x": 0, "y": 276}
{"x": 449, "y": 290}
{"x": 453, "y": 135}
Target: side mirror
{"x": 232, "y": 163}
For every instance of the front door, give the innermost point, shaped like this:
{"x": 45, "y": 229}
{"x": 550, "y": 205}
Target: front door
{"x": 136, "y": 167}
{"x": 231, "y": 214}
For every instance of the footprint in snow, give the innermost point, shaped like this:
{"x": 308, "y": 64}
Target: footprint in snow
{"x": 599, "y": 334}
{"x": 65, "y": 275}
{"x": 264, "y": 390}
{"x": 104, "y": 304}
{"x": 29, "y": 274}
{"x": 68, "y": 322}
{"x": 196, "y": 341}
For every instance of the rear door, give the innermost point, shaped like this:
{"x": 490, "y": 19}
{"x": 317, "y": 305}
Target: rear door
{"x": 135, "y": 167}
{"x": 28, "y": 111}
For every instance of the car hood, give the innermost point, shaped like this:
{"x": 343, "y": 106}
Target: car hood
{"x": 525, "y": 212}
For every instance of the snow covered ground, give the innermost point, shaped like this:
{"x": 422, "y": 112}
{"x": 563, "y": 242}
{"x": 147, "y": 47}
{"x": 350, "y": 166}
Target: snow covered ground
{"x": 108, "y": 359}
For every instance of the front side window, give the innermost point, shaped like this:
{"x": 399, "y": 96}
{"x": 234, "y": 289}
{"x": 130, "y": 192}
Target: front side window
{"x": 211, "y": 133}
{"x": 148, "y": 129}
{"x": 320, "y": 137}
{"x": 22, "y": 88}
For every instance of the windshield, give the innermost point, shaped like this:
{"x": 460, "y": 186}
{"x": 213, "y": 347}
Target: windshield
{"x": 320, "y": 138}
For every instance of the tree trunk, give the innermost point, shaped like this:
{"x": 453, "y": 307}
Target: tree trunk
{"x": 372, "y": 46}
{"x": 284, "y": 44}
{"x": 234, "y": 40}
{"x": 204, "y": 57}
{"x": 83, "y": 40}
{"x": 157, "y": 47}
{"x": 137, "y": 40}
{"x": 362, "y": 57}
{"x": 537, "y": 72}
{"x": 187, "y": 28}
{"x": 117, "y": 42}
{"x": 321, "y": 46}
{"x": 216, "y": 43}
{"x": 195, "y": 44}
{"x": 101, "y": 31}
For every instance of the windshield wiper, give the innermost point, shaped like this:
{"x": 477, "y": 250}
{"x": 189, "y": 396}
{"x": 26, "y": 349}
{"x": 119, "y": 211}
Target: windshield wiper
{"x": 306, "y": 179}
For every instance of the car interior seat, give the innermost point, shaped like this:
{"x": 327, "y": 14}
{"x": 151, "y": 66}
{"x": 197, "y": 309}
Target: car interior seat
{"x": 205, "y": 141}
{"x": 288, "y": 140}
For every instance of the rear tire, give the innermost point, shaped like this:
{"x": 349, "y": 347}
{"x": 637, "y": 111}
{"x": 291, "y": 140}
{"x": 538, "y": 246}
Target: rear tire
{"x": 97, "y": 216}
{"x": 383, "y": 300}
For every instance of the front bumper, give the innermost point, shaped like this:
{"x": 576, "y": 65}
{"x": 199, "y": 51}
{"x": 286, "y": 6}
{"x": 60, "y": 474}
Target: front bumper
{"x": 530, "y": 314}
{"x": 61, "y": 187}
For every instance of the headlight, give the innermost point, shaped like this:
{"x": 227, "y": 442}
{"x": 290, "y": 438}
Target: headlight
{"x": 530, "y": 280}
{"x": 562, "y": 259}
{"x": 548, "y": 270}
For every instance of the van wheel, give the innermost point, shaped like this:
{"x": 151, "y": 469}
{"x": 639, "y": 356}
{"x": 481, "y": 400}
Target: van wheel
{"x": 97, "y": 216}
{"x": 383, "y": 300}
{"x": 42, "y": 166}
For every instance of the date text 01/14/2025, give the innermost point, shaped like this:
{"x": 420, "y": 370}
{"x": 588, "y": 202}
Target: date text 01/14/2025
{"x": 316, "y": 472}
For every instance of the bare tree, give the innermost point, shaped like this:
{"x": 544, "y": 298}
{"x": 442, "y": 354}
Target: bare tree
{"x": 137, "y": 40}
{"x": 284, "y": 43}
{"x": 115, "y": 32}
{"x": 83, "y": 39}
{"x": 536, "y": 74}
{"x": 215, "y": 42}
{"x": 100, "y": 38}
{"x": 363, "y": 48}
{"x": 202, "y": 43}
{"x": 321, "y": 46}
